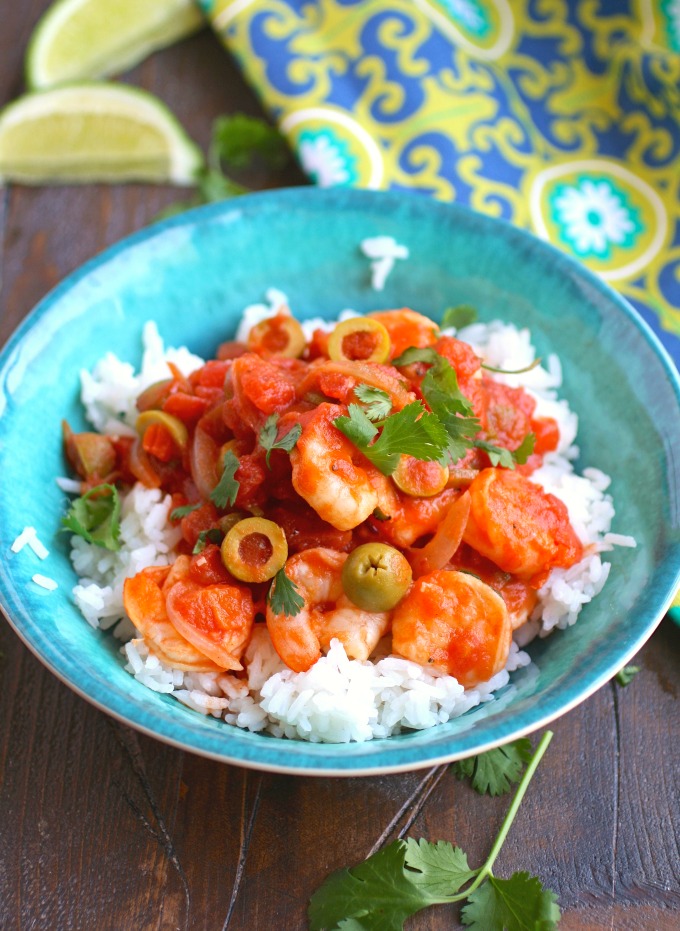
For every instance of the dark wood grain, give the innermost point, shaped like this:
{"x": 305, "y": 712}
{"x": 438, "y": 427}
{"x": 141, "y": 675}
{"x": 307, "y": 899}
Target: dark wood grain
{"x": 103, "y": 828}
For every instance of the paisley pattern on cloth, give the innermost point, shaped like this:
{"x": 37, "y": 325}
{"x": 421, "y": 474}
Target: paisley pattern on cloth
{"x": 561, "y": 116}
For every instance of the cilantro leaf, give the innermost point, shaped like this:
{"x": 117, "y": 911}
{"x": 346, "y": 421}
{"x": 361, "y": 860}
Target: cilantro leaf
{"x": 626, "y": 674}
{"x": 378, "y": 894}
{"x": 283, "y": 596}
{"x": 181, "y": 512}
{"x": 414, "y": 354}
{"x": 494, "y": 772}
{"x": 458, "y": 317}
{"x": 213, "y": 535}
{"x": 441, "y": 868}
{"x": 268, "y": 436}
{"x": 357, "y": 427}
{"x": 378, "y": 402}
{"x": 238, "y": 138}
{"x": 508, "y": 458}
{"x": 96, "y": 517}
{"x": 520, "y": 903}
{"x": 224, "y": 493}
{"x": 413, "y": 431}
{"x": 446, "y": 400}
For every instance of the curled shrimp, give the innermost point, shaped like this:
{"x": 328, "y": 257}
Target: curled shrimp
{"x": 330, "y": 473}
{"x": 327, "y": 613}
{"x": 454, "y": 622}
{"x": 144, "y": 601}
{"x": 518, "y": 526}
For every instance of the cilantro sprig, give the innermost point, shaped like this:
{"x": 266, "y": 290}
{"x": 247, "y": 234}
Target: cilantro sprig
{"x": 269, "y": 433}
{"x": 445, "y": 399}
{"x": 283, "y": 596}
{"x": 224, "y": 493}
{"x": 497, "y": 770}
{"x": 213, "y": 535}
{"x": 377, "y": 403}
{"x": 237, "y": 141}
{"x": 406, "y": 876}
{"x": 95, "y": 517}
{"x": 180, "y": 512}
{"x": 413, "y": 431}
{"x": 626, "y": 674}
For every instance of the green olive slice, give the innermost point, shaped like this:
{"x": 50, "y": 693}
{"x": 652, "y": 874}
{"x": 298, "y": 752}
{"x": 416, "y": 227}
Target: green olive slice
{"x": 420, "y": 479}
{"x": 375, "y": 577}
{"x": 254, "y": 549}
{"x": 361, "y": 339}
{"x": 281, "y": 335}
{"x": 173, "y": 425}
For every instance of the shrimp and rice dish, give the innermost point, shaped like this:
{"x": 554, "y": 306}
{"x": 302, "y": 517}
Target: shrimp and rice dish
{"x": 333, "y": 532}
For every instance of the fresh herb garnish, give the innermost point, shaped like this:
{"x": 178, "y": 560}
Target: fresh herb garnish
{"x": 446, "y": 400}
{"x": 379, "y": 514}
{"x": 268, "y": 436}
{"x": 96, "y": 517}
{"x": 236, "y": 141}
{"x": 224, "y": 493}
{"x": 378, "y": 403}
{"x": 527, "y": 368}
{"x": 283, "y": 596}
{"x": 182, "y": 511}
{"x": 213, "y": 535}
{"x": 508, "y": 458}
{"x": 458, "y": 317}
{"x": 626, "y": 675}
{"x": 413, "y": 431}
{"x": 381, "y": 893}
{"x": 496, "y": 771}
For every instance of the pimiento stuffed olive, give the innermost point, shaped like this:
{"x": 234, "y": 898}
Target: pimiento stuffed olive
{"x": 254, "y": 549}
{"x": 281, "y": 335}
{"x": 420, "y": 479}
{"x": 360, "y": 339}
{"x": 375, "y": 577}
{"x": 173, "y": 425}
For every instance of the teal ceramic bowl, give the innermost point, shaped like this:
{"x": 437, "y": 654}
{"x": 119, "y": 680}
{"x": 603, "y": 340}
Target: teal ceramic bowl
{"x": 193, "y": 275}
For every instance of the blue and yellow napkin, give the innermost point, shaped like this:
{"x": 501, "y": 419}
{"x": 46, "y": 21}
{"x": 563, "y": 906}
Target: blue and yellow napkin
{"x": 561, "y": 116}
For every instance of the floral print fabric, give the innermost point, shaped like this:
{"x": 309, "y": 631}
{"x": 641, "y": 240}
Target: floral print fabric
{"x": 560, "y": 116}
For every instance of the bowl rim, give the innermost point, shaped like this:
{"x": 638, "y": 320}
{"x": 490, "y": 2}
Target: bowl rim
{"x": 318, "y": 200}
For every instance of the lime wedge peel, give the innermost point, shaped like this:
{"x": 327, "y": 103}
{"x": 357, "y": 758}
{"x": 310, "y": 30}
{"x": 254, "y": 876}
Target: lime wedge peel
{"x": 78, "y": 40}
{"x": 95, "y": 131}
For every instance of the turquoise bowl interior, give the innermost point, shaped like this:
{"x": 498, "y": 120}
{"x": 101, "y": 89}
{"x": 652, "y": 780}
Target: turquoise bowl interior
{"x": 193, "y": 275}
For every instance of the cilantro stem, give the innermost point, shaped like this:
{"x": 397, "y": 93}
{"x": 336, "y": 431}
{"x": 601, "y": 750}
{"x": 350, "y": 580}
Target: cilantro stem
{"x": 485, "y": 870}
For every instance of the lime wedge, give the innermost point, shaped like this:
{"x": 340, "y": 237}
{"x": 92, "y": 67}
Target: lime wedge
{"x": 81, "y": 39}
{"x": 94, "y": 132}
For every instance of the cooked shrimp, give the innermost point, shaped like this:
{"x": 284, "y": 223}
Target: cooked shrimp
{"x": 144, "y": 603}
{"x": 452, "y": 621}
{"x": 217, "y": 619}
{"x": 330, "y": 473}
{"x": 518, "y": 526}
{"x": 327, "y": 613}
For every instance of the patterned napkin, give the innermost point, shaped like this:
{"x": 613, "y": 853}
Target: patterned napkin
{"x": 562, "y": 116}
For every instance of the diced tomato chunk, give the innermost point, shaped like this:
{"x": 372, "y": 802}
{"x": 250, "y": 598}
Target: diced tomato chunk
{"x": 207, "y": 568}
{"x": 195, "y": 522}
{"x": 211, "y": 375}
{"x": 186, "y": 407}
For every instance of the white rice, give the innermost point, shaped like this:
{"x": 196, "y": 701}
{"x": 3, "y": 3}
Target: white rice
{"x": 338, "y": 700}
{"x": 383, "y": 251}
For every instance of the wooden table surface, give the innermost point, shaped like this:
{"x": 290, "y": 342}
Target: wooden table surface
{"x": 103, "y": 828}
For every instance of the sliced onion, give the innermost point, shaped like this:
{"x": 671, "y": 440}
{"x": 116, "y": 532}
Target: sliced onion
{"x": 203, "y": 459}
{"x": 440, "y": 549}
{"x": 141, "y": 468}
